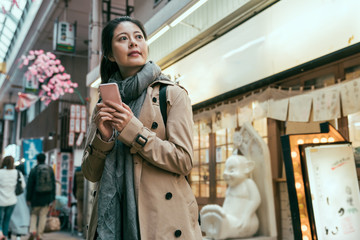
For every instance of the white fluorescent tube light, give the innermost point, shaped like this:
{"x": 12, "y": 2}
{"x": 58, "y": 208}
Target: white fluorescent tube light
{"x": 158, "y": 34}
{"x": 187, "y": 13}
{"x": 243, "y": 47}
{"x": 96, "y": 83}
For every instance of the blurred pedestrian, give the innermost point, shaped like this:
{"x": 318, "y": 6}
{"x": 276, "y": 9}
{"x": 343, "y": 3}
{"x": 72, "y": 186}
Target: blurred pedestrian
{"x": 137, "y": 155}
{"x": 78, "y": 191}
{"x": 20, "y": 219}
{"x": 40, "y": 194}
{"x": 8, "y": 181}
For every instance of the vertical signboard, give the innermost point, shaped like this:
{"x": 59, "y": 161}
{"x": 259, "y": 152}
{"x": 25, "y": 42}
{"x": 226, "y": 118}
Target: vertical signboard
{"x": 334, "y": 190}
{"x": 31, "y": 148}
{"x": 77, "y": 124}
{"x": 64, "y": 37}
{"x": 66, "y": 169}
{"x": 9, "y": 112}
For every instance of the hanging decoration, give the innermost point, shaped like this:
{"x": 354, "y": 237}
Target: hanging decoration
{"x": 45, "y": 68}
{"x": 332, "y": 102}
{"x": 25, "y": 100}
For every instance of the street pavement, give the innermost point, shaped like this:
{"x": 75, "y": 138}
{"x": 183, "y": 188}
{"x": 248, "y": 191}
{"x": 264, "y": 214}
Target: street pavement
{"x": 60, "y": 235}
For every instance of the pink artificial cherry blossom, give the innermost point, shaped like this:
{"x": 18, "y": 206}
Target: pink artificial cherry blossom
{"x": 47, "y": 69}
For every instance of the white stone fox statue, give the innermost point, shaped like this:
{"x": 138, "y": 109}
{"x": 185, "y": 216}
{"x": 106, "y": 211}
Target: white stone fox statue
{"x": 237, "y": 217}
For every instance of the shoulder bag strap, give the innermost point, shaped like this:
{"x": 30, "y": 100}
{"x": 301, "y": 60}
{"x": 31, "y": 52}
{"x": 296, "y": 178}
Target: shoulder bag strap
{"x": 162, "y": 99}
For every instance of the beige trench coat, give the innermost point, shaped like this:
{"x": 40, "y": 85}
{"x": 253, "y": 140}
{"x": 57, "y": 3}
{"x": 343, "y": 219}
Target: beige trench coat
{"x": 167, "y": 208}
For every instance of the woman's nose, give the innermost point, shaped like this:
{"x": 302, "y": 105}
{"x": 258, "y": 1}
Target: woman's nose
{"x": 132, "y": 42}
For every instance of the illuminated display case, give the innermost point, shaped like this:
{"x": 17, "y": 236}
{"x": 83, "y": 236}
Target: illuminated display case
{"x": 298, "y": 183}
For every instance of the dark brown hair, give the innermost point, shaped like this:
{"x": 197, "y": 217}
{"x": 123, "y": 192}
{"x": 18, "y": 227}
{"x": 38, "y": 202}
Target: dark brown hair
{"x": 8, "y": 162}
{"x": 108, "y": 68}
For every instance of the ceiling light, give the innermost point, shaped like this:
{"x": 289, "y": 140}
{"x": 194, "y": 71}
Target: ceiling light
{"x": 158, "y": 34}
{"x": 187, "y": 13}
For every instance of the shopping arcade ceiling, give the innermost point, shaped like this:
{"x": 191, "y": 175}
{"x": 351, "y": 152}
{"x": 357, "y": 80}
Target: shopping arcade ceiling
{"x": 11, "y": 19}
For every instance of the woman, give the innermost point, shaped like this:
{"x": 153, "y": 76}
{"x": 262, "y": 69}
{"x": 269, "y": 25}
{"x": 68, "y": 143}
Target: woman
{"x": 8, "y": 180}
{"x": 139, "y": 164}
{"x": 20, "y": 218}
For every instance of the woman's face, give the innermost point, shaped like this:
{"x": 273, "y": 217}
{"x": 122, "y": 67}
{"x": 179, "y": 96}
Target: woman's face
{"x": 129, "y": 48}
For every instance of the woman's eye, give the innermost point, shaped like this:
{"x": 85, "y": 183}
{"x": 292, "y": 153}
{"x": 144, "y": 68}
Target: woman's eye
{"x": 123, "y": 38}
{"x": 139, "y": 37}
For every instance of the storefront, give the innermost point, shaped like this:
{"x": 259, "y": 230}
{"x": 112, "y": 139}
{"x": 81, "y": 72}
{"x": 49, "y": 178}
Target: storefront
{"x": 297, "y": 104}
{"x": 283, "y": 73}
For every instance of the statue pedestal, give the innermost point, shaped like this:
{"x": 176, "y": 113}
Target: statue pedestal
{"x": 252, "y": 238}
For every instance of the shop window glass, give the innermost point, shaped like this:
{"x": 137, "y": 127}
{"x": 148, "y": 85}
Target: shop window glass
{"x": 221, "y": 137}
{"x": 352, "y": 72}
{"x": 199, "y": 177}
{"x": 230, "y": 135}
{"x": 195, "y": 177}
{"x": 196, "y": 137}
{"x": 202, "y": 174}
{"x": 221, "y": 188}
{"x": 204, "y": 189}
{"x": 221, "y": 154}
{"x": 220, "y": 167}
{"x": 195, "y": 186}
{"x": 204, "y": 156}
{"x": 320, "y": 82}
{"x": 204, "y": 181}
{"x": 196, "y": 158}
{"x": 204, "y": 140}
{"x": 224, "y": 149}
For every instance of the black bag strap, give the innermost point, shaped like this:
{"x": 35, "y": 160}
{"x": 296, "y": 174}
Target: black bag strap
{"x": 162, "y": 100}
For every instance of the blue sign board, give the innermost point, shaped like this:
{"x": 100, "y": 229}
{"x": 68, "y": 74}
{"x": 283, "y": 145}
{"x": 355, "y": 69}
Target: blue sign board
{"x": 31, "y": 148}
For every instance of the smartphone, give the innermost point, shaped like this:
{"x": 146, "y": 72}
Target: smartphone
{"x": 110, "y": 91}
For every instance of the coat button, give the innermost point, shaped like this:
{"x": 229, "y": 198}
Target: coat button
{"x": 154, "y": 99}
{"x": 177, "y": 233}
{"x": 154, "y": 125}
{"x": 168, "y": 196}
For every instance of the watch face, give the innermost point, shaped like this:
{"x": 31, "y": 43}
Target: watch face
{"x": 237, "y": 139}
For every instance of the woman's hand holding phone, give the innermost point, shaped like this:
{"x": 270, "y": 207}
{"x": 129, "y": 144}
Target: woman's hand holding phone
{"x": 103, "y": 119}
{"x": 121, "y": 116}
{"x": 115, "y": 114}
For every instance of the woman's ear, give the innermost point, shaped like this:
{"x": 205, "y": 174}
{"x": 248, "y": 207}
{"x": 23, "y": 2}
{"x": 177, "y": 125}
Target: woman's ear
{"x": 111, "y": 58}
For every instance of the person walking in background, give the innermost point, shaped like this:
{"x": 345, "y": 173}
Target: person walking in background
{"x": 20, "y": 219}
{"x": 78, "y": 191}
{"x": 8, "y": 181}
{"x": 40, "y": 194}
{"x": 138, "y": 156}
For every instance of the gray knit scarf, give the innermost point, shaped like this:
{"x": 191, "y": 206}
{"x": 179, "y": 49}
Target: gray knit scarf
{"x": 117, "y": 211}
